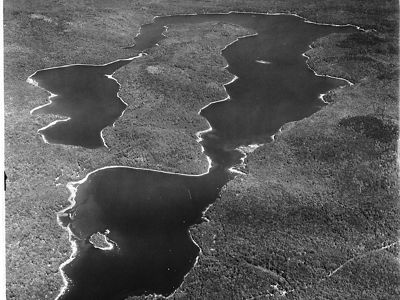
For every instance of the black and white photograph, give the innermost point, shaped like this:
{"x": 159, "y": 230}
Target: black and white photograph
{"x": 196, "y": 149}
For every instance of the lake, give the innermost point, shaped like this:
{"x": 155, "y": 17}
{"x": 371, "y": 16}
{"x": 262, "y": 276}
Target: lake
{"x": 143, "y": 216}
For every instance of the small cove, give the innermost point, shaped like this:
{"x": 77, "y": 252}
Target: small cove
{"x": 147, "y": 214}
{"x": 87, "y": 95}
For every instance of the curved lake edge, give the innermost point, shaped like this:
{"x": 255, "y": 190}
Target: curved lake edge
{"x": 30, "y": 80}
{"x": 143, "y": 53}
{"x": 71, "y": 185}
{"x": 255, "y": 13}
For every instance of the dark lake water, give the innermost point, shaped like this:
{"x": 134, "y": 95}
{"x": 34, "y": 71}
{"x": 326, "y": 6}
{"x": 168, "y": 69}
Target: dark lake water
{"x": 87, "y": 96}
{"x": 145, "y": 214}
{"x": 148, "y": 215}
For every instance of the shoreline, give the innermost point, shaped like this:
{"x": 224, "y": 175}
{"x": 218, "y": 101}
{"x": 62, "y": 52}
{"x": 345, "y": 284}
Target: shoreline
{"x": 70, "y": 158}
{"x": 52, "y": 95}
{"x": 73, "y": 186}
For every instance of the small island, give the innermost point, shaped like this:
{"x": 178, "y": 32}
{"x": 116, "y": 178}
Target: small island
{"x": 312, "y": 211}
